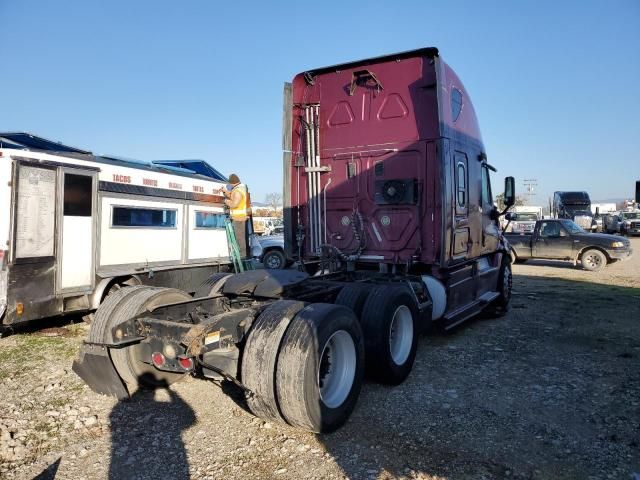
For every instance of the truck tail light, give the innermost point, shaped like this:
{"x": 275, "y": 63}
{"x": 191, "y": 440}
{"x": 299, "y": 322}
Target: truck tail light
{"x": 186, "y": 363}
{"x": 158, "y": 359}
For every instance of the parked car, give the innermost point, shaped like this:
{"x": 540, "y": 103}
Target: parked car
{"x": 562, "y": 239}
{"x": 269, "y": 250}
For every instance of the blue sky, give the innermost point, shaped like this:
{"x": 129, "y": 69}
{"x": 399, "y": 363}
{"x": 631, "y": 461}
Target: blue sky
{"x": 556, "y": 85}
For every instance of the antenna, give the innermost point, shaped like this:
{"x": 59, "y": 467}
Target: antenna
{"x": 530, "y": 185}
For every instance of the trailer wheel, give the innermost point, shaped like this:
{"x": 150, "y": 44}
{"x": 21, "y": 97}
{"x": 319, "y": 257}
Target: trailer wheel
{"x": 260, "y": 356}
{"x": 593, "y": 260}
{"x": 353, "y": 297}
{"x": 500, "y": 306}
{"x": 389, "y": 321}
{"x": 211, "y": 285}
{"x": 119, "y": 307}
{"x": 320, "y": 368}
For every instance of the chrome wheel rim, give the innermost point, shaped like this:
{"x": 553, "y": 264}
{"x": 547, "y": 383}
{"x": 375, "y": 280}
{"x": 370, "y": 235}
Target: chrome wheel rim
{"x": 594, "y": 261}
{"x": 401, "y": 334}
{"x": 337, "y": 369}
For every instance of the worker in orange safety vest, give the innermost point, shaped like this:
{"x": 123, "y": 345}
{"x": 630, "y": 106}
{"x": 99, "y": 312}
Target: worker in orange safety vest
{"x": 239, "y": 209}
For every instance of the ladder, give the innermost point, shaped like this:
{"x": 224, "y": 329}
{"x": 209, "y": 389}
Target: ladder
{"x": 234, "y": 250}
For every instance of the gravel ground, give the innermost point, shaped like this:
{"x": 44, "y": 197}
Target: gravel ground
{"x": 552, "y": 391}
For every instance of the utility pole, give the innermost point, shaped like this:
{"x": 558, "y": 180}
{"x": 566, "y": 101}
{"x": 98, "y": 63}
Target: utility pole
{"x": 530, "y": 185}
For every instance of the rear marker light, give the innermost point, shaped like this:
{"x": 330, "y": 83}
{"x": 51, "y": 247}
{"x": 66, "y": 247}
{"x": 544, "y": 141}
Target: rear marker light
{"x": 19, "y": 308}
{"x": 158, "y": 359}
{"x": 186, "y": 363}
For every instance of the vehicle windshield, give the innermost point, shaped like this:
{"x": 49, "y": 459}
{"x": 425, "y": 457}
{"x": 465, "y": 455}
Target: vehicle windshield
{"x": 571, "y": 227}
{"x": 630, "y": 215}
{"x": 526, "y": 217}
{"x": 582, "y": 213}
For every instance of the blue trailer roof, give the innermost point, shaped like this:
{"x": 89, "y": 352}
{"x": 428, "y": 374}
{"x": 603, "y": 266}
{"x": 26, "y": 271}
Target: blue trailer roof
{"x": 24, "y": 140}
{"x": 189, "y": 167}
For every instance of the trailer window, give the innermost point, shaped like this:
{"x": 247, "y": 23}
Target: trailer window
{"x": 461, "y": 181}
{"x": 78, "y": 190}
{"x": 143, "y": 217}
{"x": 209, "y": 220}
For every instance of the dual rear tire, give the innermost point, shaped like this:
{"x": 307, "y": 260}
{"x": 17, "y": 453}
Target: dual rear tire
{"x": 304, "y": 365}
{"x": 119, "y": 307}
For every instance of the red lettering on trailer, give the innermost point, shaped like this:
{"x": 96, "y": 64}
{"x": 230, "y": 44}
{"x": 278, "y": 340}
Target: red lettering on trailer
{"x": 150, "y": 182}
{"x": 198, "y": 188}
{"x": 175, "y": 185}
{"x": 121, "y": 178}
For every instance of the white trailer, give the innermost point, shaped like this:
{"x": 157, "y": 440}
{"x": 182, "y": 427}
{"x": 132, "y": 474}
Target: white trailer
{"x": 76, "y": 226}
{"x": 603, "y": 208}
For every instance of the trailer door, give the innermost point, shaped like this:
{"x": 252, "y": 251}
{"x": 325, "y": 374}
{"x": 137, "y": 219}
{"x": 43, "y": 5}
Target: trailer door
{"x": 76, "y": 240}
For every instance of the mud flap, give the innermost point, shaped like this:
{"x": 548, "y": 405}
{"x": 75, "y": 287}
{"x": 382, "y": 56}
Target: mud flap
{"x": 96, "y": 369}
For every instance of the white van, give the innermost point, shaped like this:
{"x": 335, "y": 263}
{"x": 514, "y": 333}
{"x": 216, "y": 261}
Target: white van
{"x": 76, "y": 226}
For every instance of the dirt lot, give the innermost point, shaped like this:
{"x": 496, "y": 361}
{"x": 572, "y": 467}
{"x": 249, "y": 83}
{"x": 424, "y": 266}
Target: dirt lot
{"x": 552, "y": 391}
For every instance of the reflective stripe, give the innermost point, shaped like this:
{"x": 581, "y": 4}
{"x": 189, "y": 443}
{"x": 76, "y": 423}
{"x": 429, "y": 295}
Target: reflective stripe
{"x": 240, "y": 212}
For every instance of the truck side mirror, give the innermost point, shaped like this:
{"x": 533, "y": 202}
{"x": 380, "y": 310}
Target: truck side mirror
{"x": 509, "y": 191}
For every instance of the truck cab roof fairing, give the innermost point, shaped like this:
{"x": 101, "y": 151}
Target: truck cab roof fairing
{"x": 457, "y": 115}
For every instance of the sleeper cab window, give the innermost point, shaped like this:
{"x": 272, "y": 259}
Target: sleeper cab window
{"x": 462, "y": 185}
{"x": 456, "y": 103}
{"x": 143, "y": 217}
{"x": 209, "y": 220}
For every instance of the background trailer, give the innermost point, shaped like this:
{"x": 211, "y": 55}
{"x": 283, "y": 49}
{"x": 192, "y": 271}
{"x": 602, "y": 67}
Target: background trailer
{"x": 75, "y": 226}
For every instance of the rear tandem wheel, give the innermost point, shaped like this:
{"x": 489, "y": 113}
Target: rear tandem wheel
{"x": 320, "y": 368}
{"x": 116, "y": 309}
{"x": 390, "y": 325}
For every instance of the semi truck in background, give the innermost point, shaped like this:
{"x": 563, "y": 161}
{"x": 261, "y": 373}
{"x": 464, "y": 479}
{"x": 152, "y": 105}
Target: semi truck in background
{"x": 76, "y": 227}
{"x": 389, "y": 211}
{"x": 574, "y": 206}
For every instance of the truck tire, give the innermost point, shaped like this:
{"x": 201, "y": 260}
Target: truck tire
{"x": 260, "y": 356}
{"x": 500, "y": 306}
{"x": 116, "y": 309}
{"x": 390, "y": 325}
{"x": 353, "y": 297}
{"x": 320, "y": 368}
{"x": 274, "y": 260}
{"x": 211, "y": 285}
{"x": 593, "y": 260}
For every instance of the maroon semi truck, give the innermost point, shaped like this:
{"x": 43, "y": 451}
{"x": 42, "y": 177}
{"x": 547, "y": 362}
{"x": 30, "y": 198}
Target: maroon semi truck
{"x": 390, "y": 216}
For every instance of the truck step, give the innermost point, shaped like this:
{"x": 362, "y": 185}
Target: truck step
{"x": 456, "y": 317}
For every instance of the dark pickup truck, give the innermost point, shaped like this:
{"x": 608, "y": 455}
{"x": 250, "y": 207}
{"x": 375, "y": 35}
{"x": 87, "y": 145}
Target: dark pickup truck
{"x": 562, "y": 239}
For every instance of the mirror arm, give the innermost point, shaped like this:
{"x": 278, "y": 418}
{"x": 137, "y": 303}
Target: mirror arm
{"x": 504, "y": 229}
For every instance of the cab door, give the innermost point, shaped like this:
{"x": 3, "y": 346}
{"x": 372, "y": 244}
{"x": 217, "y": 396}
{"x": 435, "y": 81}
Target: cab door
{"x": 553, "y": 241}
{"x": 461, "y": 234}
{"x": 76, "y": 235}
